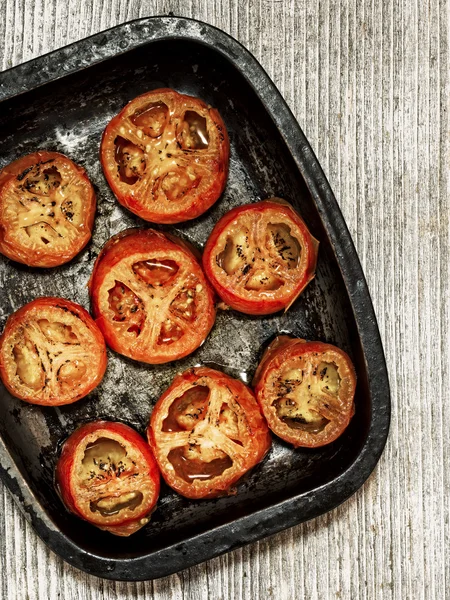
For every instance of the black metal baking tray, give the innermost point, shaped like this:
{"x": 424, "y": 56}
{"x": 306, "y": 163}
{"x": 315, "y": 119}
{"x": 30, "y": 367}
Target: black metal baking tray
{"x": 62, "y": 101}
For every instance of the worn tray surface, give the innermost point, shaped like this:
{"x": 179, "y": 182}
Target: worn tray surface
{"x": 269, "y": 156}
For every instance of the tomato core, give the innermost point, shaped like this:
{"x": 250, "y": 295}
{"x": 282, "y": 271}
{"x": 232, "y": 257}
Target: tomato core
{"x": 302, "y": 392}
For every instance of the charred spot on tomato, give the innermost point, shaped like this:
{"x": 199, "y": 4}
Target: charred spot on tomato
{"x": 329, "y": 377}
{"x": 130, "y": 160}
{"x": 177, "y": 183}
{"x": 127, "y": 307}
{"x": 24, "y": 173}
{"x": 184, "y": 305}
{"x": 187, "y": 410}
{"x": 43, "y": 181}
{"x": 56, "y": 332}
{"x": 151, "y": 119}
{"x": 109, "y": 506}
{"x": 190, "y": 469}
{"x": 72, "y": 209}
{"x": 193, "y": 132}
{"x": 235, "y": 256}
{"x": 29, "y": 368}
{"x": 286, "y": 246}
{"x": 155, "y": 272}
{"x": 170, "y": 332}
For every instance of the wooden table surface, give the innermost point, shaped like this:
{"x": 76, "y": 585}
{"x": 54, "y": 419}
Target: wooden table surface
{"x": 368, "y": 81}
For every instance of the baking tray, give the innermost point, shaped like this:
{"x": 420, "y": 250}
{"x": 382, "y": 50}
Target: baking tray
{"x": 62, "y": 101}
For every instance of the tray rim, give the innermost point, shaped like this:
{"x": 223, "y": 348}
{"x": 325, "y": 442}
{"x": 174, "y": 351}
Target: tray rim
{"x": 295, "y": 510}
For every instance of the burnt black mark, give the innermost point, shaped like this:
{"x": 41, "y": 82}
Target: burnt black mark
{"x": 24, "y": 173}
{"x": 65, "y": 309}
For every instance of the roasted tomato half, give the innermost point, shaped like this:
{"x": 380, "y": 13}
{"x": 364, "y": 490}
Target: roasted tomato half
{"x": 165, "y": 156}
{"x": 47, "y": 209}
{"x": 306, "y": 391}
{"x": 150, "y": 297}
{"x": 206, "y": 431}
{"x": 260, "y": 257}
{"x": 51, "y": 352}
{"x": 107, "y": 475}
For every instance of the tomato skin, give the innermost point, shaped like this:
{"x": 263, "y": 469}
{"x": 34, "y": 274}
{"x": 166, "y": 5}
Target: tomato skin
{"x": 28, "y": 314}
{"x": 256, "y": 441}
{"x": 283, "y": 352}
{"x": 68, "y": 462}
{"x": 214, "y": 168}
{"x": 13, "y": 243}
{"x": 263, "y": 302}
{"x": 137, "y": 245}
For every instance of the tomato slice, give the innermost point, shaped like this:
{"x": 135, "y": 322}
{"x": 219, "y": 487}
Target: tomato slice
{"x": 107, "y": 475}
{"x": 150, "y": 297}
{"x": 51, "y": 352}
{"x": 260, "y": 257}
{"x": 206, "y": 431}
{"x": 47, "y": 209}
{"x": 305, "y": 390}
{"x": 165, "y": 156}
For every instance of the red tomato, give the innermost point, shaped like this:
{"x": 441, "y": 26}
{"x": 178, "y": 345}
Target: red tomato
{"x": 51, "y": 352}
{"x": 107, "y": 475}
{"x": 47, "y": 209}
{"x": 165, "y": 156}
{"x": 260, "y": 257}
{"x": 150, "y": 297}
{"x": 206, "y": 431}
{"x": 305, "y": 390}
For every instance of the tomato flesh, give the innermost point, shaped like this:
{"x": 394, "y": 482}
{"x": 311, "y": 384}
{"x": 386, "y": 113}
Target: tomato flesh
{"x": 51, "y": 352}
{"x": 194, "y": 131}
{"x": 186, "y": 410}
{"x": 155, "y": 272}
{"x": 151, "y": 119}
{"x": 165, "y": 156}
{"x": 206, "y": 431}
{"x": 47, "y": 208}
{"x": 260, "y": 257}
{"x": 285, "y": 245}
{"x": 130, "y": 160}
{"x": 28, "y": 365}
{"x": 306, "y": 391}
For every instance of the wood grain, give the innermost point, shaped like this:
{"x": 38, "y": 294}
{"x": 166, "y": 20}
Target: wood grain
{"x": 368, "y": 81}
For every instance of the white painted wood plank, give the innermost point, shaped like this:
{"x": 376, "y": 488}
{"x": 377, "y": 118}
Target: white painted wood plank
{"x": 369, "y": 84}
